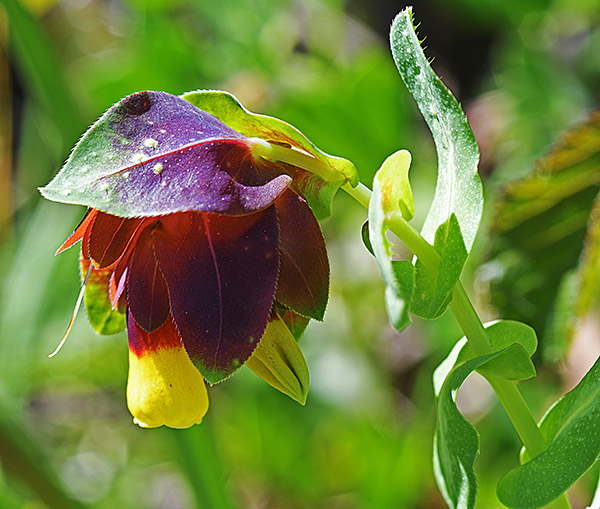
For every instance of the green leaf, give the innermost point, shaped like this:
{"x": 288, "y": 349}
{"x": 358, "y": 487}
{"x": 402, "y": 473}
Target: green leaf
{"x": 456, "y": 441}
{"x": 396, "y": 194}
{"x": 398, "y": 275}
{"x": 279, "y": 361}
{"x": 364, "y": 233}
{"x": 516, "y": 364}
{"x": 102, "y": 317}
{"x": 458, "y": 190}
{"x": 433, "y": 294}
{"x": 545, "y": 240}
{"x": 228, "y": 110}
{"x": 572, "y": 428}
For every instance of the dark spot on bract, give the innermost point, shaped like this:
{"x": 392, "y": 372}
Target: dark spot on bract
{"x": 137, "y": 104}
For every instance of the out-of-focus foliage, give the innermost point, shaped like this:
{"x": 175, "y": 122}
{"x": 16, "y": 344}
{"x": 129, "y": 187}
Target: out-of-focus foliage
{"x": 544, "y": 240}
{"x": 523, "y": 70}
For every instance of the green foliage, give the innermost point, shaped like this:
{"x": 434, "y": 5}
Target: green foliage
{"x": 458, "y": 190}
{"x": 545, "y": 239}
{"x": 398, "y": 275}
{"x": 454, "y": 216}
{"x": 102, "y": 317}
{"x": 456, "y": 442}
{"x": 572, "y": 428}
{"x": 524, "y": 70}
{"x": 432, "y": 294}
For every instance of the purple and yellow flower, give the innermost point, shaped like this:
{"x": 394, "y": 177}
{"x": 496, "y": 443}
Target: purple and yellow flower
{"x": 205, "y": 249}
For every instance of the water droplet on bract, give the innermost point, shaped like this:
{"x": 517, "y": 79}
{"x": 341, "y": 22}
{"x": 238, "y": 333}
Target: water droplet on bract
{"x": 66, "y": 192}
{"x": 94, "y": 154}
{"x": 163, "y": 131}
{"x": 150, "y": 143}
{"x": 84, "y": 169}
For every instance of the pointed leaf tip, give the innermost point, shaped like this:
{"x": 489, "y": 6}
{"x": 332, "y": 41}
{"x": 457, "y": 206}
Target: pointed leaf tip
{"x": 279, "y": 361}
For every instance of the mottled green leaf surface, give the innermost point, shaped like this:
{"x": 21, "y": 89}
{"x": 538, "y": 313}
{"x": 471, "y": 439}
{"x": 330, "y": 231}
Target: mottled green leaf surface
{"x": 545, "y": 239}
{"x": 572, "y": 427}
{"x": 458, "y": 190}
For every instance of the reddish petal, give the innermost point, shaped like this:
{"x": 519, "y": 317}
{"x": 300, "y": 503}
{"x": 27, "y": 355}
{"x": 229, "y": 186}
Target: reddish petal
{"x": 141, "y": 342}
{"x": 304, "y": 273}
{"x": 147, "y": 294}
{"x": 109, "y": 237}
{"x": 221, "y": 272}
{"x": 79, "y": 232}
{"x": 295, "y": 323}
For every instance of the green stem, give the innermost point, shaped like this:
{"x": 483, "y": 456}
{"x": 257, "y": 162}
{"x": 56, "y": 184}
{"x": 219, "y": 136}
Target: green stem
{"x": 508, "y": 393}
{"x": 293, "y": 156}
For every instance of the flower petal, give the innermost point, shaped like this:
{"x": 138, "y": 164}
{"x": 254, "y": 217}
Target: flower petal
{"x": 221, "y": 273}
{"x": 295, "y": 323}
{"x": 147, "y": 294}
{"x": 163, "y": 387}
{"x": 79, "y": 232}
{"x": 304, "y": 273}
{"x": 154, "y": 153}
{"x": 109, "y": 237}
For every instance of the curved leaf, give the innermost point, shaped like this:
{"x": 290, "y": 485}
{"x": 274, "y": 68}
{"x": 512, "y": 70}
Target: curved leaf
{"x": 458, "y": 190}
{"x": 398, "y": 275}
{"x": 456, "y": 442}
{"x": 504, "y": 334}
{"x": 572, "y": 427}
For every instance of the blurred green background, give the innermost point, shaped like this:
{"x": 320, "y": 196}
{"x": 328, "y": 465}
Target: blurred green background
{"x": 524, "y": 70}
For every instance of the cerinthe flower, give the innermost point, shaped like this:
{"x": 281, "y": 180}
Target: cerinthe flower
{"x": 202, "y": 241}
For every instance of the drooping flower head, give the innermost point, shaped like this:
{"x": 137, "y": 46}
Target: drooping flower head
{"x": 202, "y": 241}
